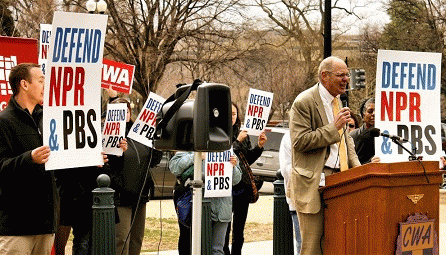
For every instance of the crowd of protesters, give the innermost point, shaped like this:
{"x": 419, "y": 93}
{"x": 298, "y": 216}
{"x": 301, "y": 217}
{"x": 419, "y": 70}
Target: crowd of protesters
{"x": 64, "y": 198}
{"x": 61, "y": 200}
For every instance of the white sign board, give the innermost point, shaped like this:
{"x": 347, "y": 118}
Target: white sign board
{"x": 218, "y": 174}
{"x": 72, "y": 95}
{"x": 144, "y": 127}
{"x": 114, "y": 128}
{"x": 257, "y": 111}
{"x": 44, "y": 44}
{"x": 407, "y": 104}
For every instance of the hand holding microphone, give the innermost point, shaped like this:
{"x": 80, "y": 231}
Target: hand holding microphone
{"x": 342, "y": 118}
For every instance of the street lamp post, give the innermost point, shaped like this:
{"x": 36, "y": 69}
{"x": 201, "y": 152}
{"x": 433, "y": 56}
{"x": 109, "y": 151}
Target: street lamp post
{"x": 103, "y": 240}
{"x": 99, "y": 6}
{"x": 327, "y": 28}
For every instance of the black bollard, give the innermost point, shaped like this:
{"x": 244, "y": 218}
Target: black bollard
{"x": 103, "y": 233}
{"x": 283, "y": 225}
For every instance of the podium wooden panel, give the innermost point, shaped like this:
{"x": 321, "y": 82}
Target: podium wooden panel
{"x": 365, "y": 204}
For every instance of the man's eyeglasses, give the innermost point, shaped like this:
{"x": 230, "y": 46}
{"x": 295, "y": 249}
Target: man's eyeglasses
{"x": 340, "y": 75}
{"x": 351, "y": 125}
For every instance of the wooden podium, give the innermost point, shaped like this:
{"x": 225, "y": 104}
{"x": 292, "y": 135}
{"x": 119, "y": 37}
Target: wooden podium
{"x": 365, "y": 204}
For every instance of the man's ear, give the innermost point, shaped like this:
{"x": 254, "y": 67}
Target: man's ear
{"x": 324, "y": 75}
{"x": 23, "y": 85}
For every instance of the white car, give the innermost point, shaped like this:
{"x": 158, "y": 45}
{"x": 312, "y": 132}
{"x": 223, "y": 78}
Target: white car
{"x": 267, "y": 165}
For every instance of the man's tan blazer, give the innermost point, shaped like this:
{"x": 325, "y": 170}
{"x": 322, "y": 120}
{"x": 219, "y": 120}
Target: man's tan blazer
{"x": 311, "y": 137}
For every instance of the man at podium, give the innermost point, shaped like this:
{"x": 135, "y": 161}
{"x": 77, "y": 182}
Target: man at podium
{"x": 321, "y": 146}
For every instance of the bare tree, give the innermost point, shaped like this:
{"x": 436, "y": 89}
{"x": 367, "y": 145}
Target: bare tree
{"x": 151, "y": 34}
{"x": 6, "y": 19}
{"x": 29, "y": 14}
{"x": 302, "y": 22}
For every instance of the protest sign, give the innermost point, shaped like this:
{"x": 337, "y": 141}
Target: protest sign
{"x": 117, "y": 76}
{"x": 44, "y": 44}
{"x": 144, "y": 127}
{"x": 218, "y": 174}
{"x": 408, "y": 104}
{"x": 257, "y": 111}
{"x": 72, "y": 95}
{"x": 114, "y": 128}
{"x": 13, "y": 51}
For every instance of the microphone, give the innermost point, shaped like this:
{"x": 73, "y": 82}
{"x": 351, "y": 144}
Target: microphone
{"x": 395, "y": 137}
{"x": 344, "y": 100}
{"x": 375, "y": 132}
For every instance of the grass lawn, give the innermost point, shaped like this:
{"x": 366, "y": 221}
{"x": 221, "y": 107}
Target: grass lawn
{"x": 167, "y": 239}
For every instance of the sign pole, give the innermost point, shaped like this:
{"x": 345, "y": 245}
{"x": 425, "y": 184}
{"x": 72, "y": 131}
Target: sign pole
{"x": 196, "y": 203}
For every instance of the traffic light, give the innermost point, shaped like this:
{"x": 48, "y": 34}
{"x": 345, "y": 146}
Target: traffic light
{"x": 357, "y": 79}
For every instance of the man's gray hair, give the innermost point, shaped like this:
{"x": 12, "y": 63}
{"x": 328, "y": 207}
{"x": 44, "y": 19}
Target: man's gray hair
{"x": 327, "y": 65}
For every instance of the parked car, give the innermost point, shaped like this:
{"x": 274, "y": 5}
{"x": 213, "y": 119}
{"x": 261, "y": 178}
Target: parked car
{"x": 266, "y": 166}
{"x": 163, "y": 179}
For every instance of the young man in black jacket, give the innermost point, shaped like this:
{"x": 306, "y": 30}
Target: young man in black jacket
{"x": 27, "y": 192}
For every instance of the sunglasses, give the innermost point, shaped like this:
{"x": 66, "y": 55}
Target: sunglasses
{"x": 351, "y": 125}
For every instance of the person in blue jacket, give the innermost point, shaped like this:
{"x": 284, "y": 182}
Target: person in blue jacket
{"x": 221, "y": 207}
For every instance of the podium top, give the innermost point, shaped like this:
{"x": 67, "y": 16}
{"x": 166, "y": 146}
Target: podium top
{"x": 407, "y": 168}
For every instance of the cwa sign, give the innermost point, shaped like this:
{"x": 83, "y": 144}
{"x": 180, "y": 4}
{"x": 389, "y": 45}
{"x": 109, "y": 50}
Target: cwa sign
{"x": 117, "y": 76}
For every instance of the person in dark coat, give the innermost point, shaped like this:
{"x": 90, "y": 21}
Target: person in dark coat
{"x": 131, "y": 181}
{"x": 364, "y": 140}
{"x": 76, "y": 200}
{"x": 28, "y": 194}
{"x": 241, "y": 193}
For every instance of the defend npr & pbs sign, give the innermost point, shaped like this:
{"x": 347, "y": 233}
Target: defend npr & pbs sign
{"x": 72, "y": 95}
{"x": 408, "y": 104}
{"x": 257, "y": 111}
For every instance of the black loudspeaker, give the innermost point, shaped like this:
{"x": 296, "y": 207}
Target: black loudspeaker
{"x": 203, "y": 124}
{"x": 178, "y": 134}
{"x": 212, "y": 118}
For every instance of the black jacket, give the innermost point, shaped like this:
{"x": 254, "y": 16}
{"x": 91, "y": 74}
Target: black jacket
{"x": 129, "y": 170}
{"x": 76, "y": 197}
{"x": 364, "y": 144}
{"x": 28, "y": 193}
{"x": 251, "y": 154}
